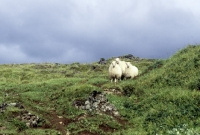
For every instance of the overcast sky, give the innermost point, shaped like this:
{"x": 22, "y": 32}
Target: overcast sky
{"x": 67, "y": 31}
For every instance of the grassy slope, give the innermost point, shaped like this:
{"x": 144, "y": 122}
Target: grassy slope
{"x": 181, "y": 70}
{"x": 163, "y": 99}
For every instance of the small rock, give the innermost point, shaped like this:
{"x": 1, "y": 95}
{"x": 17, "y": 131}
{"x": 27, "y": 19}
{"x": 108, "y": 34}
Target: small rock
{"x": 102, "y": 61}
{"x": 116, "y": 113}
{"x": 28, "y": 124}
{"x": 59, "y": 133}
{"x": 68, "y": 133}
{"x": 28, "y": 117}
{"x": 76, "y": 106}
{"x": 34, "y": 123}
{"x": 12, "y": 104}
{"x": 87, "y": 102}
{"x": 87, "y": 107}
{"x": 3, "y": 105}
{"x": 82, "y": 107}
{"x": 95, "y": 105}
{"x": 60, "y": 117}
{"x": 113, "y": 107}
{"x": 108, "y": 108}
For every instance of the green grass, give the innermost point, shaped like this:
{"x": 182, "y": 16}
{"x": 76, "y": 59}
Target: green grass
{"x": 182, "y": 69}
{"x": 163, "y": 99}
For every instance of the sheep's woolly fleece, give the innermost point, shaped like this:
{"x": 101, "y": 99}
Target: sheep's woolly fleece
{"x": 115, "y": 71}
{"x": 131, "y": 71}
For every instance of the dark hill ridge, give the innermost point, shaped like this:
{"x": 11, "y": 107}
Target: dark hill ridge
{"x": 182, "y": 70}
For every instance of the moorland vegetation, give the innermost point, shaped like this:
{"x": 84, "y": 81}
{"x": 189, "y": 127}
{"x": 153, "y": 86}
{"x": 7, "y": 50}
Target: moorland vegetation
{"x": 163, "y": 99}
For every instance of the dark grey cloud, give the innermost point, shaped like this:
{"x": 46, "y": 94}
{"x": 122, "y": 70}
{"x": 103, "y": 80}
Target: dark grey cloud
{"x": 69, "y": 31}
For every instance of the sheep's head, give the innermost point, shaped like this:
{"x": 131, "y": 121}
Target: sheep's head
{"x": 114, "y": 64}
{"x": 128, "y": 64}
{"x": 117, "y": 60}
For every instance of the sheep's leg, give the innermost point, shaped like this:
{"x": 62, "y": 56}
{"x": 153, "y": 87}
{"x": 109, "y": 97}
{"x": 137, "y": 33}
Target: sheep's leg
{"x": 115, "y": 81}
{"x": 112, "y": 79}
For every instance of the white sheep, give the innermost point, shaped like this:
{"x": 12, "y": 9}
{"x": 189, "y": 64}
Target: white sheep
{"x": 131, "y": 71}
{"x": 115, "y": 72}
{"x": 122, "y": 65}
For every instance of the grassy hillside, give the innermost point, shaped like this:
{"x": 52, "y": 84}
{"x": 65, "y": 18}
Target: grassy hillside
{"x": 163, "y": 99}
{"x": 180, "y": 70}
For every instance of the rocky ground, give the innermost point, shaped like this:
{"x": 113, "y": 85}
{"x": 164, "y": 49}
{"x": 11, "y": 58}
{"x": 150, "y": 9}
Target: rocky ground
{"x": 30, "y": 119}
{"x": 96, "y": 102}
